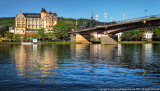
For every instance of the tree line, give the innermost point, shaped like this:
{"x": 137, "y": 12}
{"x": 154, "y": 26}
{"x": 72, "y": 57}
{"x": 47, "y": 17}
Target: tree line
{"x": 138, "y": 35}
{"x": 60, "y": 31}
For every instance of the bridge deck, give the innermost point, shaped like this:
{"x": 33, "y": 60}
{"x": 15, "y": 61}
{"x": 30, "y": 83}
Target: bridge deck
{"x": 135, "y": 20}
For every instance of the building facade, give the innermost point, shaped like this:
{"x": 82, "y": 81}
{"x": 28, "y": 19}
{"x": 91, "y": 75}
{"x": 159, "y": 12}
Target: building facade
{"x": 32, "y": 22}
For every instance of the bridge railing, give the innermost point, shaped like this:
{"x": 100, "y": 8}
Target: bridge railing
{"x": 100, "y": 24}
{"x": 139, "y": 18}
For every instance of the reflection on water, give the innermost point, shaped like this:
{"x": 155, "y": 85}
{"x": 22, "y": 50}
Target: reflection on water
{"x": 79, "y": 66}
{"x": 30, "y": 62}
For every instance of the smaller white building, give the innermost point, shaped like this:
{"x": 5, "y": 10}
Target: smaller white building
{"x": 119, "y": 34}
{"x": 148, "y": 35}
{"x": 11, "y": 29}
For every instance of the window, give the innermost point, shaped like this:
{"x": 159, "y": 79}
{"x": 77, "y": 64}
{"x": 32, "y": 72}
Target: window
{"x": 17, "y": 30}
{"x": 22, "y": 31}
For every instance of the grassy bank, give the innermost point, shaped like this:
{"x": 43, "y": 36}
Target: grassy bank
{"x": 138, "y": 41}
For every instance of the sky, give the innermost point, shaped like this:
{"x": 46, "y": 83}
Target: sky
{"x": 82, "y": 8}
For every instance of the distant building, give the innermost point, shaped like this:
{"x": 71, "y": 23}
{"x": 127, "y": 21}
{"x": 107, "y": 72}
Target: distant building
{"x": 1, "y": 27}
{"x": 11, "y": 29}
{"x": 32, "y": 22}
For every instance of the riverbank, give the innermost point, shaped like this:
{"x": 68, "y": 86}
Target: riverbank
{"x": 121, "y": 42}
{"x": 10, "y": 42}
{"x": 43, "y": 43}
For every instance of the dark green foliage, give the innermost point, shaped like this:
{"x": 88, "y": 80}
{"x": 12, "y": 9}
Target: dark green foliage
{"x": 60, "y": 30}
{"x": 10, "y": 21}
{"x": 41, "y": 34}
{"x": 50, "y": 35}
{"x": 34, "y": 35}
{"x": 157, "y": 32}
{"x": 9, "y": 35}
{"x": 71, "y": 23}
{"x": 91, "y": 36}
{"x": 16, "y": 36}
{"x": 4, "y": 30}
{"x": 132, "y": 35}
{"x": 141, "y": 33}
{"x": 25, "y": 37}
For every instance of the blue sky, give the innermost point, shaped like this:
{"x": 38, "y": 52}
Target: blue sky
{"x": 82, "y": 8}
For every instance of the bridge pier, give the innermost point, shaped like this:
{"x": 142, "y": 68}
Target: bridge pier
{"x": 106, "y": 39}
{"x": 73, "y": 37}
{"x": 85, "y": 38}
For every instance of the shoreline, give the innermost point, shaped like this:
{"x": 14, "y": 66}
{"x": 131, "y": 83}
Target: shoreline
{"x": 135, "y": 42}
{"x": 44, "y": 43}
{"x": 119, "y": 42}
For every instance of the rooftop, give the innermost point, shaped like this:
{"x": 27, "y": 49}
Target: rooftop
{"x": 43, "y": 10}
{"x": 32, "y": 15}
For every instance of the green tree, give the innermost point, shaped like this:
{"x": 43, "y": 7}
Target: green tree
{"x": 141, "y": 33}
{"x": 9, "y": 35}
{"x": 157, "y": 32}
{"x": 50, "y": 35}
{"x": 60, "y": 30}
{"x": 4, "y": 30}
{"x": 16, "y": 36}
{"x": 25, "y": 37}
{"x": 132, "y": 35}
{"x": 41, "y": 34}
{"x": 34, "y": 35}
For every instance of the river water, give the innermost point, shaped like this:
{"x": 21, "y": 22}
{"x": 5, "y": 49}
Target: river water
{"x": 55, "y": 67}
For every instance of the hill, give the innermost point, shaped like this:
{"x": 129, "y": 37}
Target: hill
{"x": 10, "y": 21}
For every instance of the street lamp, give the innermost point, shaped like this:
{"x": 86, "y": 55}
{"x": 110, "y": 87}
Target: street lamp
{"x": 145, "y": 13}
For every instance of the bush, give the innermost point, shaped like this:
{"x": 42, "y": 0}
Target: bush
{"x": 132, "y": 35}
{"x": 16, "y": 36}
